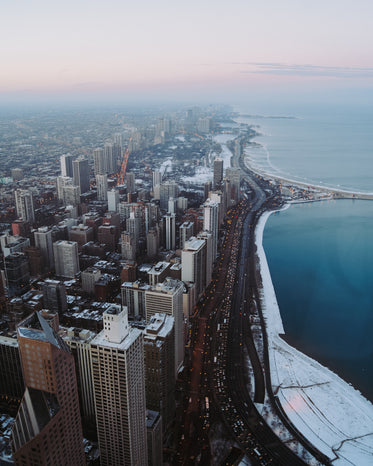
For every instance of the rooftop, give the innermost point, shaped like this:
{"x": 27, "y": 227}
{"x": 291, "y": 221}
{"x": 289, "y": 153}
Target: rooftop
{"x": 124, "y": 345}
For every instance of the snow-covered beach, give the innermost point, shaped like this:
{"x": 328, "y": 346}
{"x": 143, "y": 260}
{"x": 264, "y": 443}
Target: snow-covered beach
{"x": 329, "y": 412}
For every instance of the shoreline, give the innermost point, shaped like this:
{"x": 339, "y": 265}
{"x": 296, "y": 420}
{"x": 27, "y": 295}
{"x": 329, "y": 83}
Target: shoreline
{"x": 344, "y": 193}
{"x": 333, "y": 415}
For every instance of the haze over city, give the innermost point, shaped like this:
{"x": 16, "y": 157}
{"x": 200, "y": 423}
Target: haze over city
{"x": 193, "y": 50}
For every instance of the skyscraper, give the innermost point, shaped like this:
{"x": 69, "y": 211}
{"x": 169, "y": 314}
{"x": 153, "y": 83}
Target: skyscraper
{"x": 211, "y": 223}
{"x": 78, "y": 341}
{"x": 47, "y": 429}
{"x": 234, "y": 177}
{"x": 100, "y": 165}
{"x": 81, "y": 174}
{"x": 110, "y": 158}
{"x": 157, "y": 178}
{"x": 118, "y": 381}
{"x": 218, "y": 173}
{"x": 130, "y": 182}
{"x": 102, "y": 187}
{"x": 25, "y": 205}
{"x": 167, "y": 190}
{"x": 66, "y": 161}
{"x": 113, "y": 200}
{"x": 167, "y": 297}
{"x": 159, "y": 348}
{"x": 54, "y": 296}
{"x": 17, "y": 274}
{"x": 11, "y": 380}
{"x": 43, "y": 240}
{"x": 66, "y": 258}
{"x": 185, "y": 232}
{"x": 170, "y": 220}
{"x": 193, "y": 260}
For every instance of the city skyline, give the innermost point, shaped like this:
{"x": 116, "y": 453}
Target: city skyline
{"x": 91, "y": 50}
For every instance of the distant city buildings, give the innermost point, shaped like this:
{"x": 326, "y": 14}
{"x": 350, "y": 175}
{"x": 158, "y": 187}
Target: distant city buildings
{"x": 81, "y": 174}
{"x": 25, "y": 205}
{"x": 218, "y": 173}
{"x": 66, "y": 161}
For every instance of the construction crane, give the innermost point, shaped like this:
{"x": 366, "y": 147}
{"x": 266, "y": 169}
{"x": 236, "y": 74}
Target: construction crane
{"x": 123, "y": 167}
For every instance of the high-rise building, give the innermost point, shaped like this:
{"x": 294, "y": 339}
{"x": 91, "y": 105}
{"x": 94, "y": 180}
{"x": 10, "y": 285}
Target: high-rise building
{"x": 11, "y": 380}
{"x": 157, "y": 178}
{"x": 35, "y": 260}
{"x": 133, "y": 226}
{"x": 66, "y": 258}
{"x": 82, "y": 234}
{"x": 207, "y": 237}
{"x": 54, "y": 296}
{"x": 90, "y": 276}
{"x": 152, "y": 241}
{"x": 167, "y": 297}
{"x": 78, "y": 340}
{"x": 168, "y": 189}
{"x": 66, "y": 161}
{"x": 133, "y": 297}
{"x": 44, "y": 241}
{"x": 159, "y": 349}
{"x": 102, "y": 187}
{"x": 128, "y": 246}
{"x": 47, "y": 429}
{"x": 17, "y": 274}
{"x": 193, "y": 260}
{"x": 130, "y": 182}
{"x": 206, "y": 189}
{"x": 61, "y": 182}
{"x": 25, "y": 205}
{"x": 218, "y": 172}
{"x": 154, "y": 438}
{"x": 67, "y": 192}
{"x": 234, "y": 177}
{"x": 158, "y": 272}
{"x": 182, "y": 204}
{"x": 113, "y": 200}
{"x": 100, "y": 167}
{"x": 185, "y": 232}
{"x": 110, "y": 158}
{"x": 170, "y": 220}
{"x": 204, "y": 125}
{"x": 119, "y": 389}
{"x": 118, "y": 139}
{"x": 211, "y": 223}
{"x": 12, "y": 244}
{"x": 81, "y": 174}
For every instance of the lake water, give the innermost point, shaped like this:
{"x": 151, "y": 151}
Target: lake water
{"x": 321, "y": 254}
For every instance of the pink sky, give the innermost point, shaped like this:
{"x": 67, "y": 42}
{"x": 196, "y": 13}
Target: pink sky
{"x": 92, "y": 46}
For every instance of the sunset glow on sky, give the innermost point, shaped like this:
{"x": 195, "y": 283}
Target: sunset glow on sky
{"x": 93, "y": 46}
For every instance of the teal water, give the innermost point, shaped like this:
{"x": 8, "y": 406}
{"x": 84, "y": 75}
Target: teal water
{"x": 320, "y": 256}
{"x": 326, "y": 145}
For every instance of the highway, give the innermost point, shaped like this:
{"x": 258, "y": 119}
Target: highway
{"x": 218, "y": 383}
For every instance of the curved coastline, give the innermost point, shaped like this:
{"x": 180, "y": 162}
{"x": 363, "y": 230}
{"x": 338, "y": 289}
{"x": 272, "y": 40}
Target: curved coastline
{"x": 329, "y": 412}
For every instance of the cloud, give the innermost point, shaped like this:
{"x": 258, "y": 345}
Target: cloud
{"x": 283, "y": 69}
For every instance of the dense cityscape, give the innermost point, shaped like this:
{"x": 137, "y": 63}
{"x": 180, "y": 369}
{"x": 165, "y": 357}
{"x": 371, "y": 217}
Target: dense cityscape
{"x": 130, "y": 294}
